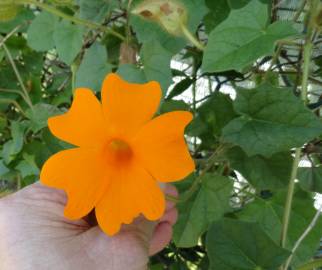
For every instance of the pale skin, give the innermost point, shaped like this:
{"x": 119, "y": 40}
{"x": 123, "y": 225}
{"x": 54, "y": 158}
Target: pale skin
{"x": 34, "y": 235}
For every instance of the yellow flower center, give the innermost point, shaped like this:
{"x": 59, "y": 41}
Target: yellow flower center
{"x": 118, "y": 151}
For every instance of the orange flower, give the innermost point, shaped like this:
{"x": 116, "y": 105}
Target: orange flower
{"x": 121, "y": 154}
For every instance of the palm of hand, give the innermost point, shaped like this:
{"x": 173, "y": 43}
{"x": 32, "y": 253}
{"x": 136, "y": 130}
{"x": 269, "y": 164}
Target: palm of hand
{"x": 35, "y": 235}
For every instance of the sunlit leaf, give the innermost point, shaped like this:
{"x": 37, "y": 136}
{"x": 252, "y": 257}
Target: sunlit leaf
{"x": 243, "y": 37}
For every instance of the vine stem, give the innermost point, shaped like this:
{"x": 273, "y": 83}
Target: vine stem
{"x": 302, "y": 237}
{"x": 300, "y": 10}
{"x": 194, "y": 92}
{"x": 289, "y": 198}
{"x": 306, "y": 66}
{"x": 11, "y": 33}
{"x": 73, "y": 19}
{"x": 16, "y": 71}
{"x": 308, "y": 46}
{"x": 285, "y": 42}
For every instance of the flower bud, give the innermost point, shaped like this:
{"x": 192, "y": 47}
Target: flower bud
{"x": 168, "y": 13}
{"x": 8, "y": 10}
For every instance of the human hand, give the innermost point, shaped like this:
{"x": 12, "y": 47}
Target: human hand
{"x": 35, "y": 235}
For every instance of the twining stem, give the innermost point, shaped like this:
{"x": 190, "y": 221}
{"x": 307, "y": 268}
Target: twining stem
{"x": 73, "y": 19}
{"x": 300, "y": 10}
{"x": 289, "y": 198}
{"x": 16, "y": 71}
{"x": 194, "y": 93}
{"x": 306, "y": 65}
{"x": 308, "y": 46}
{"x": 306, "y": 68}
{"x": 190, "y": 37}
{"x": 12, "y": 32}
{"x": 285, "y": 42}
{"x": 274, "y": 59}
{"x": 302, "y": 237}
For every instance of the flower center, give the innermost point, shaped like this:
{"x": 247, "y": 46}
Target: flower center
{"x": 118, "y": 151}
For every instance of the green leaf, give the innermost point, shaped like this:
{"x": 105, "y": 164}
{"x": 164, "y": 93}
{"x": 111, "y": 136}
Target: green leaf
{"x": 174, "y": 105}
{"x": 272, "y": 120}
{"x": 180, "y": 87}
{"x": 40, "y": 114}
{"x": 27, "y": 166}
{"x": 21, "y": 19}
{"x": 93, "y": 68}
{"x": 53, "y": 144}
{"x": 210, "y": 118}
{"x": 310, "y": 179}
{"x": 243, "y": 38}
{"x": 94, "y": 10}
{"x": 238, "y": 245}
{"x": 39, "y": 150}
{"x": 1, "y": 55}
{"x": 236, "y": 4}
{"x": 3, "y": 122}
{"x": 219, "y": 11}
{"x": 13, "y": 146}
{"x": 40, "y": 34}
{"x": 156, "y": 267}
{"x": 68, "y": 40}
{"x": 156, "y": 62}
{"x": 209, "y": 204}
{"x": 262, "y": 173}
{"x": 16, "y": 44}
{"x": 269, "y": 214}
{"x": 33, "y": 64}
{"x": 3, "y": 168}
{"x": 216, "y": 112}
{"x": 131, "y": 73}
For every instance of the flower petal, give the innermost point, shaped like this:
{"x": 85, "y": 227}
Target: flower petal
{"x": 127, "y": 106}
{"x": 161, "y": 147}
{"x": 80, "y": 172}
{"x": 83, "y": 124}
{"x": 132, "y": 192}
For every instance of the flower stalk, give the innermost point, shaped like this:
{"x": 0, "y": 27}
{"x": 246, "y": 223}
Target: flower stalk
{"x": 190, "y": 37}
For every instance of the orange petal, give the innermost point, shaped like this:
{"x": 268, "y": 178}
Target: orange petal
{"x": 127, "y": 106}
{"x": 132, "y": 191}
{"x": 161, "y": 147}
{"x": 80, "y": 172}
{"x": 83, "y": 124}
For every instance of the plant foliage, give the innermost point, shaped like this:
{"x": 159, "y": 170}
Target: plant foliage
{"x": 249, "y": 70}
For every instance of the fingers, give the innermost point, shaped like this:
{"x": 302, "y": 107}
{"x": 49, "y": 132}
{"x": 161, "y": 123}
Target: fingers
{"x": 38, "y": 193}
{"x": 163, "y": 231}
{"x": 161, "y": 237}
{"x": 170, "y": 216}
